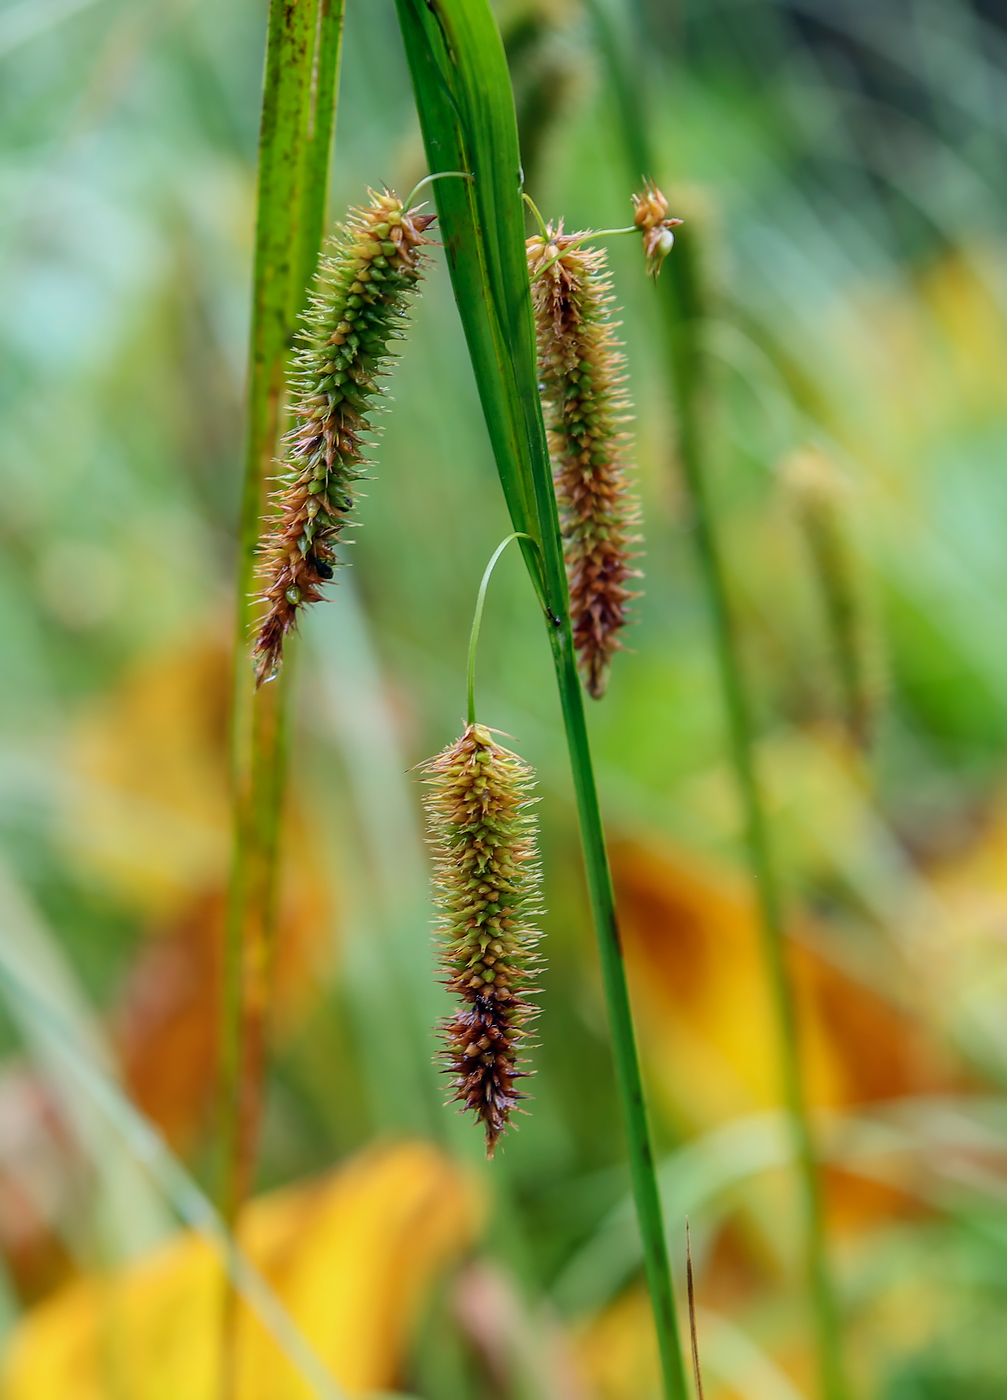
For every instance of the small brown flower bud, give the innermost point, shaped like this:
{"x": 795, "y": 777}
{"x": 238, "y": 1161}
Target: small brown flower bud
{"x": 651, "y": 219}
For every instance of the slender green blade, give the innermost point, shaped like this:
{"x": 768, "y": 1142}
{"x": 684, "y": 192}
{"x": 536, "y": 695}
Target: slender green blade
{"x": 295, "y": 148}
{"x": 295, "y": 144}
{"x": 466, "y": 211}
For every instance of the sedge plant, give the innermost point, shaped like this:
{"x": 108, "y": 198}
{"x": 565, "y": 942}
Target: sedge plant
{"x": 466, "y": 109}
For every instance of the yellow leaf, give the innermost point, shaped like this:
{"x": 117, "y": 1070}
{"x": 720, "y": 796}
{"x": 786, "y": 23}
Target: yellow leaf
{"x": 148, "y": 806}
{"x": 351, "y": 1256}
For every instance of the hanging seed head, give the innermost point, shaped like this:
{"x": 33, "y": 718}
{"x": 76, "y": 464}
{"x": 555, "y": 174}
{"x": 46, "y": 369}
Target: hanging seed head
{"x": 581, "y": 370}
{"x": 360, "y": 297}
{"x": 651, "y": 218}
{"x": 487, "y": 879}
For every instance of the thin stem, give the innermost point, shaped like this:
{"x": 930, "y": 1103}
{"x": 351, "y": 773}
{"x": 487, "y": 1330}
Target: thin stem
{"x": 832, "y": 564}
{"x": 536, "y": 213}
{"x": 629, "y": 1082}
{"x": 576, "y": 242}
{"x": 581, "y": 238}
{"x": 604, "y": 233}
{"x": 478, "y": 617}
{"x": 771, "y": 921}
{"x": 682, "y": 316}
{"x": 440, "y": 175}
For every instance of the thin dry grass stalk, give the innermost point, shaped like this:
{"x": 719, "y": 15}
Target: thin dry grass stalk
{"x": 581, "y": 367}
{"x": 487, "y": 880}
{"x": 697, "y": 1373}
{"x": 818, "y": 494}
{"x": 361, "y": 294}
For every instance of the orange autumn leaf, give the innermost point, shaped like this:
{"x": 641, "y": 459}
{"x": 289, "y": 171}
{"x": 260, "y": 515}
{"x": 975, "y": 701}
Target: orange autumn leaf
{"x": 166, "y": 1020}
{"x": 707, "y": 1022}
{"x": 147, "y": 809}
{"x": 148, "y": 814}
{"x": 618, "y": 1350}
{"x": 351, "y": 1255}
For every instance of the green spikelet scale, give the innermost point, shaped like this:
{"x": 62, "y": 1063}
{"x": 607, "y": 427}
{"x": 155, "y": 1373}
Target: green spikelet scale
{"x": 361, "y": 292}
{"x": 487, "y": 881}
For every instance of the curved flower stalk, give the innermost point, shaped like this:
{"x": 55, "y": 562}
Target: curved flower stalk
{"x": 581, "y": 367}
{"x": 361, "y": 293}
{"x": 487, "y": 880}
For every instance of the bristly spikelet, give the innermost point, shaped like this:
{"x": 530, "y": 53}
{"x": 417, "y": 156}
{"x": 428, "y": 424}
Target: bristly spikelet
{"x": 360, "y": 297}
{"x": 487, "y": 881}
{"x": 581, "y": 366}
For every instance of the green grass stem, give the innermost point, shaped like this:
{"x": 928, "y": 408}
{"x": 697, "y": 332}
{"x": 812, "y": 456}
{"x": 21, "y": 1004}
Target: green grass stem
{"x": 295, "y": 147}
{"x": 466, "y": 108}
{"x": 680, "y": 297}
{"x": 772, "y": 924}
{"x": 835, "y": 574}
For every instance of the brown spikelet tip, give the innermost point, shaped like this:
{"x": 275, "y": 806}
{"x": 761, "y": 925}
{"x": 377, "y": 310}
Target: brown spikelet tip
{"x": 582, "y": 374}
{"x": 651, "y": 218}
{"x": 360, "y": 296}
{"x": 486, "y": 881}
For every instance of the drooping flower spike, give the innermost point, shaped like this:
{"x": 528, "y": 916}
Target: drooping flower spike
{"x": 486, "y": 884}
{"x": 581, "y": 368}
{"x": 487, "y": 881}
{"x": 651, "y": 218}
{"x": 360, "y": 297}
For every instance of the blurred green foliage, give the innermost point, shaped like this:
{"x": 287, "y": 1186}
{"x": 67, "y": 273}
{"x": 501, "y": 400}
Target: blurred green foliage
{"x": 846, "y": 167}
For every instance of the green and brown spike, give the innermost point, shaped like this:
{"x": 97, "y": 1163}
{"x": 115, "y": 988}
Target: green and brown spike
{"x": 581, "y": 368}
{"x": 487, "y": 882}
{"x": 361, "y": 293}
